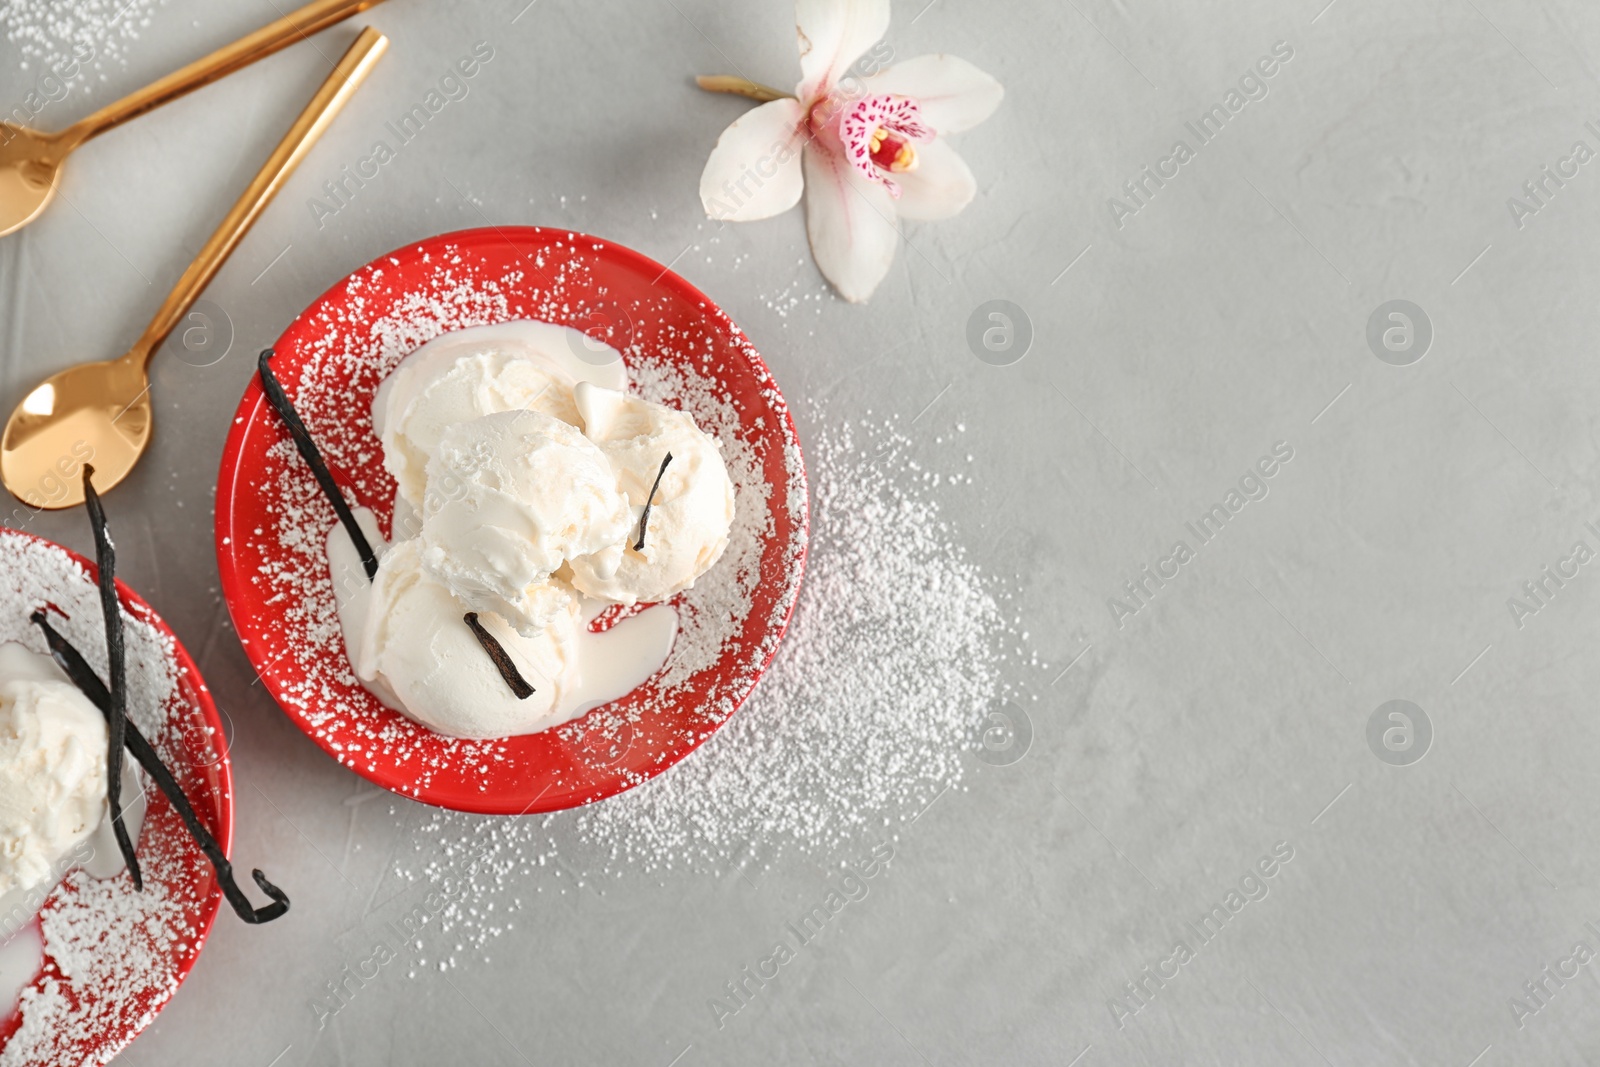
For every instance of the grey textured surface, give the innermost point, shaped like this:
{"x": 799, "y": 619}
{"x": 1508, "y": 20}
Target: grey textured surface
{"x": 1228, "y": 715}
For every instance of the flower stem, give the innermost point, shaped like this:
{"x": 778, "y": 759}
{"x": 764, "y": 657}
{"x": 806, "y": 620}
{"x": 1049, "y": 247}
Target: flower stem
{"x": 730, "y": 83}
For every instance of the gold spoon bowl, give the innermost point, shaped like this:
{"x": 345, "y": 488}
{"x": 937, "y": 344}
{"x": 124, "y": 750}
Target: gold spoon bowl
{"x": 77, "y": 417}
{"x": 30, "y": 163}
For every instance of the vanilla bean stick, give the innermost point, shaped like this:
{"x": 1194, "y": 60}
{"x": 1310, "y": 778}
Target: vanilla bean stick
{"x": 313, "y": 456}
{"x": 105, "y": 556}
{"x": 644, "y": 516}
{"x": 502, "y": 659}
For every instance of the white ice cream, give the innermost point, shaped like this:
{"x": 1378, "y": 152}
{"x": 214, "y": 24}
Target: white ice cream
{"x": 413, "y": 650}
{"x": 410, "y": 647}
{"x": 511, "y": 497}
{"x": 692, "y": 511}
{"x": 53, "y": 810}
{"x": 52, "y": 769}
{"x": 469, "y": 373}
{"x": 502, "y": 499}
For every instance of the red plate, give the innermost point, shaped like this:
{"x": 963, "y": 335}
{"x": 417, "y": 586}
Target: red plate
{"x": 272, "y": 523}
{"x": 109, "y": 969}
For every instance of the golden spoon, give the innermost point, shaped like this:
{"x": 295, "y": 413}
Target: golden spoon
{"x": 100, "y": 412}
{"x": 30, "y": 161}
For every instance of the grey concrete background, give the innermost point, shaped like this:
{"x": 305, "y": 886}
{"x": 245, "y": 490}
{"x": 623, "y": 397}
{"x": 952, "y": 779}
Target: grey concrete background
{"x": 1230, "y": 714}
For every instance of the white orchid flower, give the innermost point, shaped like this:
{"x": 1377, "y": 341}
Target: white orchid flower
{"x": 866, "y": 148}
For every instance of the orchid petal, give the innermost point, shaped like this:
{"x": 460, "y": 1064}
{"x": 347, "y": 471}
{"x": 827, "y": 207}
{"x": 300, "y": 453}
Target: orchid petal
{"x": 850, "y": 220}
{"x": 954, "y": 94}
{"x": 754, "y": 171}
{"x": 939, "y": 186}
{"x": 833, "y": 35}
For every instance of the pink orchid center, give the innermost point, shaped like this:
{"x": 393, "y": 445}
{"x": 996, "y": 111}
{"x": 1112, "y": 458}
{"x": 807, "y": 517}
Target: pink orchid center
{"x": 879, "y": 134}
{"x": 891, "y": 152}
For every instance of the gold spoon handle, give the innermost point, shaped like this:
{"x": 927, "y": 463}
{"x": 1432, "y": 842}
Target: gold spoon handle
{"x": 347, "y": 76}
{"x": 315, "y": 16}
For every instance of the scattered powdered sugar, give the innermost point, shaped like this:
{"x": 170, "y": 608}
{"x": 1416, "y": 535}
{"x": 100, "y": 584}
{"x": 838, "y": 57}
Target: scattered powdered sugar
{"x": 892, "y": 659}
{"x": 57, "y": 35}
{"x": 898, "y": 650}
{"x": 113, "y": 956}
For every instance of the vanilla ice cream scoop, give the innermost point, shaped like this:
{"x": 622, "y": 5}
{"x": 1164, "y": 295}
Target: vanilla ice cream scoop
{"x": 690, "y": 515}
{"x": 453, "y": 384}
{"x": 510, "y": 498}
{"x": 410, "y": 646}
{"x": 52, "y": 768}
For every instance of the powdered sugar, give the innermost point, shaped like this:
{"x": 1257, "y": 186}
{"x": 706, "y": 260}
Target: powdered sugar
{"x": 898, "y": 650}
{"x": 113, "y": 956}
{"x": 52, "y": 34}
{"x": 891, "y": 660}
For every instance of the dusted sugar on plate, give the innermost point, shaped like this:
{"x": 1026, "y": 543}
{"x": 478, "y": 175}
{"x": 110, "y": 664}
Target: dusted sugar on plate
{"x": 533, "y": 494}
